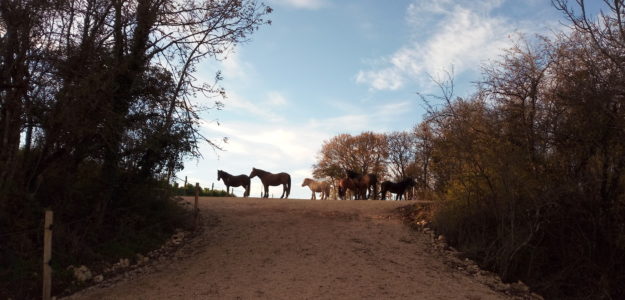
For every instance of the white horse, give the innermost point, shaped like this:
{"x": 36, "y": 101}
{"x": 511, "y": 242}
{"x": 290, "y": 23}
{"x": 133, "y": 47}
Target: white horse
{"x": 322, "y": 187}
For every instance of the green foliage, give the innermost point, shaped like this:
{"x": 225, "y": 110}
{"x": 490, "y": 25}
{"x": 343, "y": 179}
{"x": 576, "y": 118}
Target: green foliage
{"x": 189, "y": 190}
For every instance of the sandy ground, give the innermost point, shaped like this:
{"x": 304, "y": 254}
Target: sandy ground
{"x": 295, "y": 249}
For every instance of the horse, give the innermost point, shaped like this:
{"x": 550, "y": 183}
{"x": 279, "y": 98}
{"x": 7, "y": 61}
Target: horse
{"x": 366, "y": 185}
{"x": 270, "y": 179}
{"x": 322, "y": 187}
{"x": 234, "y": 181}
{"x": 345, "y": 184}
{"x": 398, "y": 188}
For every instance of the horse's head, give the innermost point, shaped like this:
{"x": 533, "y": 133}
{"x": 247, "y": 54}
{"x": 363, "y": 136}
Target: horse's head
{"x": 254, "y": 173}
{"x": 306, "y": 182}
{"x": 352, "y": 174}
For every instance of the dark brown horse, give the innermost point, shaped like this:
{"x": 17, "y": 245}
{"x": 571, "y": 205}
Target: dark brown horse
{"x": 234, "y": 181}
{"x": 366, "y": 185}
{"x": 270, "y": 179}
{"x": 322, "y": 187}
{"x": 398, "y": 188}
{"x": 345, "y": 184}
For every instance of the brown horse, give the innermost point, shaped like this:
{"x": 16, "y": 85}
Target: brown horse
{"x": 234, "y": 181}
{"x": 398, "y": 188}
{"x": 270, "y": 179}
{"x": 345, "y": 184}
{"x": 366, "y": 185}
{"x": 322, "y": 187}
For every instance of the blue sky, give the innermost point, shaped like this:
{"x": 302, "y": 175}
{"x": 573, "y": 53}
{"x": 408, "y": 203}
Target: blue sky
{"x": 326, "y": 67}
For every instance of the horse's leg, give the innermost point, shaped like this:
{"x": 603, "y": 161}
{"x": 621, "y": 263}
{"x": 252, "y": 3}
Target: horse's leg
{"x": 266, "y": 191}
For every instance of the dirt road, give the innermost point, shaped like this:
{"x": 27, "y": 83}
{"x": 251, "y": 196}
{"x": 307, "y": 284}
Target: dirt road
{"x": 295, "y": 249}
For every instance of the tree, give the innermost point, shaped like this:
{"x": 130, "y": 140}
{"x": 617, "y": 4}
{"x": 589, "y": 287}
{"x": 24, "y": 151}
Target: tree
{"x": 531, "y": 167}
{"x": 401, "y": 153}
{"x": 364, "y": 153}
{"x": 423, "y": 155}
{"x": 98, "y": 104}
{"x": 110, "y": 81}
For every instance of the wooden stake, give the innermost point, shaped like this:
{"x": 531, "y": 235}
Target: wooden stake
{"x": 47, "y": 256}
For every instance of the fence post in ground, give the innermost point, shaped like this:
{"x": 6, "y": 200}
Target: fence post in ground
{"x": 195, "y": 208}
{"x": 47, "y": 256}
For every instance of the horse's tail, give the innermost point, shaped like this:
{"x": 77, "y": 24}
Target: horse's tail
{"x": 288, "y": 185}
{"x": 246, "y": 186}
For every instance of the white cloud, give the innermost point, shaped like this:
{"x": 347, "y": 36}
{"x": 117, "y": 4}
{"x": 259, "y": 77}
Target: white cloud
{"x": 233, "y": 68}
{"x": 236, "y": 102}
{"x": 301, "y": 4}
{"x": 385, "y": 79}
{"x": 460, "y": 34}
{"x": 276, "y": 98}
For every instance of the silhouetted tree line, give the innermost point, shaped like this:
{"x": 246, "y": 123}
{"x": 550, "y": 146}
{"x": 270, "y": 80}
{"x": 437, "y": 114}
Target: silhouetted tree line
{"x": 95, "y": 111}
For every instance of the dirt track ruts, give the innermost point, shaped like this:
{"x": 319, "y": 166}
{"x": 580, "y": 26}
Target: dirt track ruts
{"x": 295, "y": 249}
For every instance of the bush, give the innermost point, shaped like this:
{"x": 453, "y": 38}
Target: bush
{"x": 141, "y": 218}
{"x": 189, "y": 190}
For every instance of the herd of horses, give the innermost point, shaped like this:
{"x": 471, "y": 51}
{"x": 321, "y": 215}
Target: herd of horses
{"x": 361, "y": 186}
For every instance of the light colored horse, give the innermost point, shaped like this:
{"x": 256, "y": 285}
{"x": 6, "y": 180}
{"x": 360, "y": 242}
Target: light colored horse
{"x": 322, "y": 187}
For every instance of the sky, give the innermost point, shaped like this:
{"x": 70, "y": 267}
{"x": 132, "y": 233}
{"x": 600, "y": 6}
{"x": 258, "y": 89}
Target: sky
{"x": 326, "y": 67}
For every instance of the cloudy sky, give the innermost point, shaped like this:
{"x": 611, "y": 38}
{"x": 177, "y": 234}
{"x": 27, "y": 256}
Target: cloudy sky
{"x": 326, "y": 67}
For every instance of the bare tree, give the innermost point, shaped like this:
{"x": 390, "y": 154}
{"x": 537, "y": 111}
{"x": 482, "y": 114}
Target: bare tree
{"x": 401, "y": 152}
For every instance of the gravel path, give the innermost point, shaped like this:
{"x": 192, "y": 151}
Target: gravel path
{"x": 295, "y": 249}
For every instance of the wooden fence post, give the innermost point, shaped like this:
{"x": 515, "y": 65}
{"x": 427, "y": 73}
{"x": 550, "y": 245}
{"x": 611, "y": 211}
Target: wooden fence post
{"x": 47, "y": 256}
{"x": 195, "y": 208}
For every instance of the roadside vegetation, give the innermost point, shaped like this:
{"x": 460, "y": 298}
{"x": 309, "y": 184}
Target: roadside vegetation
{"x": 189, "y": 190}
{"x": 530, "y": 170}
{"x": 528, "y": 173}
{"x": 97, "y": 113}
